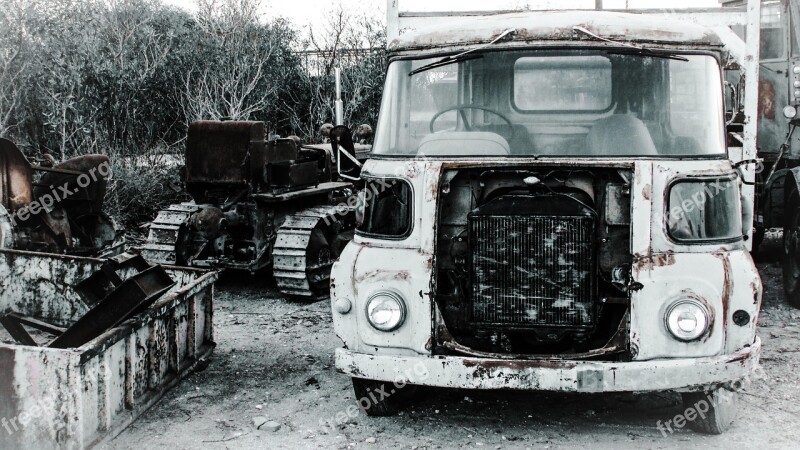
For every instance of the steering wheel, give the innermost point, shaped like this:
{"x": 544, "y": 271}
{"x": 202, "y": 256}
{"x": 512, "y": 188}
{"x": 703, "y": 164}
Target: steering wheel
{"x": 462, "y": 108}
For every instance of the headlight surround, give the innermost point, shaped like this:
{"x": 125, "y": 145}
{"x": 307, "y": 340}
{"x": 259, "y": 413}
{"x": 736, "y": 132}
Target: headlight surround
{"x": 687, "y": 320}
{"x": 386, "y": 311}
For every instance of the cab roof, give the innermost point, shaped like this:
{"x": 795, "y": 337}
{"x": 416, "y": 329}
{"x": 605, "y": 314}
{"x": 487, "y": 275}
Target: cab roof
{"x": 558, "y": 26}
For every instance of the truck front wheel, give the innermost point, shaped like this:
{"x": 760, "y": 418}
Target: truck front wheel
{"x": 791, "y": 250}
{"x": 711, "y": 412}
{"x": 380, "y": 398}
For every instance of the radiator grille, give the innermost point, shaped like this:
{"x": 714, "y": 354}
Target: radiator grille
{"x": 532, "y": 270}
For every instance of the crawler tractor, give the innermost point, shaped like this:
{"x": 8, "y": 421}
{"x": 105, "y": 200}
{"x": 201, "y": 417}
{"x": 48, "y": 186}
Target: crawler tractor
{"x": 257, "y": 204}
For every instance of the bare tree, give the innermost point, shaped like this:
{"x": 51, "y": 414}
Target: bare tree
{"x": 13, "y": 42}
{"x": 355, "y": 44}
{"x": 232, "y": 83}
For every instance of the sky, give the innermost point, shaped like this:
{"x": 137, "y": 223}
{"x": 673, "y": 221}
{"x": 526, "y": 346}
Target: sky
{"x": 309, "y": 12}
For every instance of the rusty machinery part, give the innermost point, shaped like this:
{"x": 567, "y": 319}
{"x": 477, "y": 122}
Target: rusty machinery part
{"x": 165, "y": 233}
{"x": 16, "y": 177}
{"x": 111, "y": 298}
{"x": 6, "y": 229}
{"x": 305, "y": 250}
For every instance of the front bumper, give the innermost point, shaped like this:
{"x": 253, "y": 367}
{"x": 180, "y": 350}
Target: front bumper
{"x": 552, "y": 375}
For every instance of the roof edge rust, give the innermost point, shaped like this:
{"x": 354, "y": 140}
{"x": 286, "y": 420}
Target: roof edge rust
{"x": 557, "y": 27}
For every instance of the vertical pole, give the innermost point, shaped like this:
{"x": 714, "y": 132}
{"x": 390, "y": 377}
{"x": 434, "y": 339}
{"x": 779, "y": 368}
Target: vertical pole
{"x": 339, "y": 102}
{"x": 392, "y": 20}
{"x": 751, "y": 73}
{"x": 750, "y": 150}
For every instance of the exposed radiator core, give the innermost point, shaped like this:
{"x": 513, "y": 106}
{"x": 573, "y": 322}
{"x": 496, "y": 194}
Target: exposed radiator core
{"x": 532, "y": 270}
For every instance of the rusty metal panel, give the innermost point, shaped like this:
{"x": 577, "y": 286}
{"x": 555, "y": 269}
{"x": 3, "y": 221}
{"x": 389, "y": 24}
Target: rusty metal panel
{"x": 462, "y": 29}
{"x": 219, "y": 152}
{"x": 16, "y": 188}
{"x": 81, "y": 397}
{"x": 551, "y": 375}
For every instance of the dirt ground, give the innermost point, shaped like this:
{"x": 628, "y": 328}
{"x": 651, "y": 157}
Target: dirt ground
{"x": 275, "y": 360}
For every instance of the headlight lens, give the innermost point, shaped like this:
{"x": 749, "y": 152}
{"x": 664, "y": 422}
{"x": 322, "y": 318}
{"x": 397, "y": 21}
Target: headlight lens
{"x": 705, "y": 210}
{"x": 386, "y": 311}
{"x": 687, "y": 320}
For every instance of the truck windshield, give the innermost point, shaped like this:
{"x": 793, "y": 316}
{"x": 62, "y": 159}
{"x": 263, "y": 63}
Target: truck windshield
{"x": 566, "y": 103}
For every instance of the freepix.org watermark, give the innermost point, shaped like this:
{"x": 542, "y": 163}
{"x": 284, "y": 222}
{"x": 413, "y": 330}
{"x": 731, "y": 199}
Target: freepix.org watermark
{"x": 375, "y": 396}
{"x": 57, "y": 194}
{"x": 42, "y": 408}
{"x": 702, "y": 407}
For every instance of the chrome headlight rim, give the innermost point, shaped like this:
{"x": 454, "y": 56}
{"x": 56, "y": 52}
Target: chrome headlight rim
{"x": 398, "y": 300}
{"x": 702, "y": 316}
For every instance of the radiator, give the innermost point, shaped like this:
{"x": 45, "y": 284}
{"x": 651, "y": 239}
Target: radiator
{"x": 532, "y": 271}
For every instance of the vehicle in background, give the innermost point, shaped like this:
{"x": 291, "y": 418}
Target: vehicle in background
{"x": 257, "y": 204}
{"x": 56, "y": 208}
{"x": 778, "y": 181}
{"x": 551, "y": 204}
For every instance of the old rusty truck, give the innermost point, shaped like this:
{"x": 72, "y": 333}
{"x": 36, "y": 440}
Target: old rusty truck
{"x": 551, "y": 204}
{"x": 257, "y": 204}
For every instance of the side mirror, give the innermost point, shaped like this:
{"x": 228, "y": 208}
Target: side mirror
{"x": 345, "y": 150}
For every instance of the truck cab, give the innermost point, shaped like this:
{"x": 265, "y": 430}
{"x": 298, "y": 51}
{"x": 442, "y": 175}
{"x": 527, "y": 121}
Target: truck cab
{"x": 550, "y": 204}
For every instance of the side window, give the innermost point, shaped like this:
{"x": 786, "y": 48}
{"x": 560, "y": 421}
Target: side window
{"x": 387, "y": 207}
{"x": 565, "y": 83}
{"x": 773, "y": 37}
{"x": 795, "y": 22}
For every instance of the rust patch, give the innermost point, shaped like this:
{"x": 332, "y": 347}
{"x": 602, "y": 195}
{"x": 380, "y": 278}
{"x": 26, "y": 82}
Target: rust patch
{"x": 16, "y": 177}
{"x": 488, "y": 364}
{"x": 653, "y": 260}
{"x": 402, "y": 275}
{"x": 412, "y": 170}
{"x": 766, "y": 99}
{"x": 727, "y": 287}
{"x": 646, "y": 192}
{"x": 663, "y": 259}
{"x": 756, "y": 289}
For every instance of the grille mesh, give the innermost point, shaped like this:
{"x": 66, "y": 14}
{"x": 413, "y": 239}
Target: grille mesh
{"x": 532, "y": 270}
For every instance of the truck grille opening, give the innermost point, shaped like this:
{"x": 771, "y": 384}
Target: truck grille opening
{"x": 532, "y": 271}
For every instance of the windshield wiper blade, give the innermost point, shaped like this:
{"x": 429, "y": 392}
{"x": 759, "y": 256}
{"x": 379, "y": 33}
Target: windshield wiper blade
{"x": 464, "y": 56}
{"x": 443, "y": 62}
{"x": 649, "y": 53}
{"x": 634, "y": 49}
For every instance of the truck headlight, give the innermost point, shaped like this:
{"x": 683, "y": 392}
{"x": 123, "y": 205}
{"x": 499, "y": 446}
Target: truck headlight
{"x": 386, "y": 311}
{"x": 687, "y": 320}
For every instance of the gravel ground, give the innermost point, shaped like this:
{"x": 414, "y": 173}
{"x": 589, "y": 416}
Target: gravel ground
{"x": 274, "y": 363}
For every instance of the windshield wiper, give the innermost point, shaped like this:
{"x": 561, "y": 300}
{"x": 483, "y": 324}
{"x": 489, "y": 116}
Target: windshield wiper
{"x": 634, "y": 49}
{"x": 464, "y": 56}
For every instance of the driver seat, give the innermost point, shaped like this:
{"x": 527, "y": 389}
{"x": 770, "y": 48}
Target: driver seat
{"x": 464, "y": 143}
{"x": 620, "y": 135}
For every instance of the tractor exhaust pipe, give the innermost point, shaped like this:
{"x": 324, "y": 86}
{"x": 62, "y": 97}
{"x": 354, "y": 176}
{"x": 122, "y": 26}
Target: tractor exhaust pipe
{"x": 339, "y": 102}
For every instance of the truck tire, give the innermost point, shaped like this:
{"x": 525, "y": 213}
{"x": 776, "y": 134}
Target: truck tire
{"x": 791, "y": 250}
{"x": 380, "y": 398}
{"x": 758, "y": 238}
{"x": 715, "y": 410}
